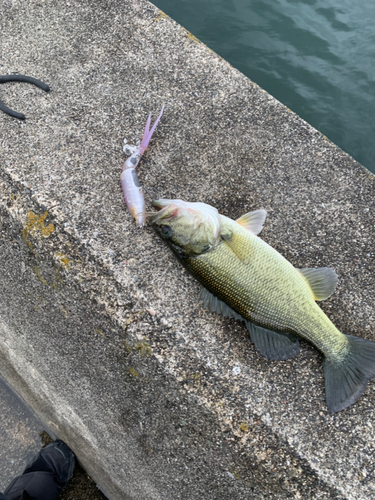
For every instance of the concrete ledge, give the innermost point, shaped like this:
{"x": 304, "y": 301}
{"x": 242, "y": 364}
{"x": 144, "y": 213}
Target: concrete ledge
{"x": 101, "y": 331}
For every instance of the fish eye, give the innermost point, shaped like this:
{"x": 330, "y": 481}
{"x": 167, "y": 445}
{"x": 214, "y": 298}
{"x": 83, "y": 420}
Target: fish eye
{"x": 166, "y": 231}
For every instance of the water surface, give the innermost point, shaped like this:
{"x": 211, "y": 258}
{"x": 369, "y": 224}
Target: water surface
{"x": 315, "y": 56}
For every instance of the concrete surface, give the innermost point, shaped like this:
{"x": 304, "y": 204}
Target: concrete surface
{"x": 101, "y": 329}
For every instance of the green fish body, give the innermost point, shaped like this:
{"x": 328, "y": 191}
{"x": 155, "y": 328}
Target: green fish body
{"x": 245, "y": 278}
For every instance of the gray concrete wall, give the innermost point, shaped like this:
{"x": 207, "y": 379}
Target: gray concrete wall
{"x": 101, "y": 331}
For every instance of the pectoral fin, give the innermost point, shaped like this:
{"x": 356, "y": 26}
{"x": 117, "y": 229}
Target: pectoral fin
{"x": 273, "y": 345}
{"x": 322, "y": 281}
{"x": 253, "y": 221}
{"x": 238, "y": 244}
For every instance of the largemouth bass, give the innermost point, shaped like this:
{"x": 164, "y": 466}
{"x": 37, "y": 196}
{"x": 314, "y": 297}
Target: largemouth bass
{"x": 246, "y": 279}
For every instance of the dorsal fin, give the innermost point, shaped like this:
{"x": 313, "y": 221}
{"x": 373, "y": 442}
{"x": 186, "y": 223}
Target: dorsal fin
{"x": 253, "y": 221}
{"x": 322, "y": 281}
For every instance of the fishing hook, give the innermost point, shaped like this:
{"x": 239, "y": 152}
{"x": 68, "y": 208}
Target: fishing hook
{"x": 20, "y": 78}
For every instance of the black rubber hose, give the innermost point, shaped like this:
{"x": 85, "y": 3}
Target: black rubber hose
{"x": 20, "y": 78}
{"x": 10, "y": 112}
{"x": 23, "y": 78}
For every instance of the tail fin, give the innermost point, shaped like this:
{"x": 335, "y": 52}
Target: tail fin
{"x": 345, "y": 382}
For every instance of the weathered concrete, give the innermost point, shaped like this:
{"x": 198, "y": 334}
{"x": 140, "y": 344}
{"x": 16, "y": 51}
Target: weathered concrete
{"x": 101, "y": 329}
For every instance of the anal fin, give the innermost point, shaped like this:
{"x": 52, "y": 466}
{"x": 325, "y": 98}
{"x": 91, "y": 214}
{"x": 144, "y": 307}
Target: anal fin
{"x": 271, "y": 344}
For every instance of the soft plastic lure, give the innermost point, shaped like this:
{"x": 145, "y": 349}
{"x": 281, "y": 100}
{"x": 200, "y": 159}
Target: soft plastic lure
{"x": 131, "y": 188}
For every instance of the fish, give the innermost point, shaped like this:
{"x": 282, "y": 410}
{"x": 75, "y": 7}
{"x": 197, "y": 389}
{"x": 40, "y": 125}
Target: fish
{"x": 244, "y": 278}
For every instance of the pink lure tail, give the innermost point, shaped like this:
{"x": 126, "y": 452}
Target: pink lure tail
{"x": 148, "y": 133}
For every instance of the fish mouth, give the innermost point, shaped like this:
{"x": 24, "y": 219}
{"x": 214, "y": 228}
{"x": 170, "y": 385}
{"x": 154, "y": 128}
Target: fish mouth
{"x": 160, "y": 204}
{"x": 165, "y": 210}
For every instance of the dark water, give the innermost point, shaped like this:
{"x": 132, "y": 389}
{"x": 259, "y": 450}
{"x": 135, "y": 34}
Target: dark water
{"x": 315, "y": 56}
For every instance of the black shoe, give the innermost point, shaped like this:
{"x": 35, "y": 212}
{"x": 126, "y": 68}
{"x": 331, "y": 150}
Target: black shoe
{"x": 46, "y": 474}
